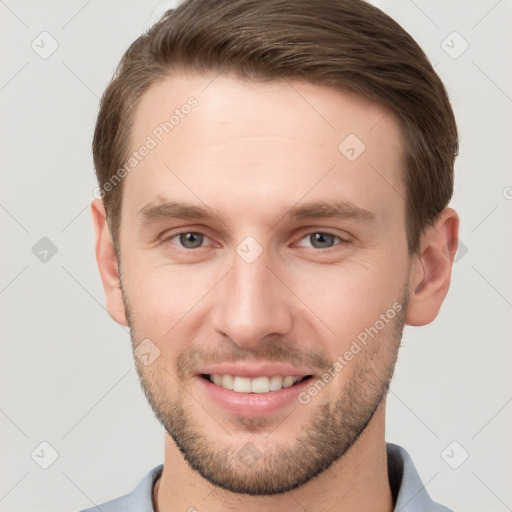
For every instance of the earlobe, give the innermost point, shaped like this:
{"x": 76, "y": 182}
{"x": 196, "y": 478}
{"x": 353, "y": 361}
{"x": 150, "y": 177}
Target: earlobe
{"x": 431, "y": 269}
{"x": 107, "y": 263}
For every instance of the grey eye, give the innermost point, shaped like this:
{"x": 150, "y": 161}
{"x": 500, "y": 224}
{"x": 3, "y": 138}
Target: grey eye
{"x": 322, "y": 240}
{"x": 191, "y": 240}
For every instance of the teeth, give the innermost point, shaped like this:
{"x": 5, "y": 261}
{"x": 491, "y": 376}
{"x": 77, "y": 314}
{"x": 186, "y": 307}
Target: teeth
{"x": 256, "y": 385}
{"x": 242, "y": 385}
{"x": 260, "y": 385}
{"x": 288, "y": 381}
{"x": 226, "y": 381}
{"x": 276, "y": 383}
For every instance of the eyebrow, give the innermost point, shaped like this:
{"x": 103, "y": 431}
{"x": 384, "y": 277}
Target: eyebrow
{"x": 323, "y": 209}
{"x": 173, "y": 210}
{"x": 313, "y": 210}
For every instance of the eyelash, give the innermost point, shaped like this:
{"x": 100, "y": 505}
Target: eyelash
{"x": 177, "y": 234}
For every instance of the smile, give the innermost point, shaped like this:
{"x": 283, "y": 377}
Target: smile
{"x": 256, "y": 385}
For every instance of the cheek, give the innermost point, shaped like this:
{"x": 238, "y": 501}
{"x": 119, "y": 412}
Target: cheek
{"x": 161, "y": 298}
{"x": 346, "y": 296}
{"x": 353, "y": 299}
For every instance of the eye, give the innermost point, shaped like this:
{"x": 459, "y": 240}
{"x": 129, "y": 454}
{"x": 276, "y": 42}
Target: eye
{"x": 321, "y": 240}
{"x": 188, "y": 239}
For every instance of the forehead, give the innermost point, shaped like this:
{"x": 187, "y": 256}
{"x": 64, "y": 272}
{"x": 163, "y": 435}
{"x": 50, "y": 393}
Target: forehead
{"x": 272, "y": 104}
{"x": 262, "y": 142}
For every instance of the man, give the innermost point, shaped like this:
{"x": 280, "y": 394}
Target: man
{"x": 273, "y": 188}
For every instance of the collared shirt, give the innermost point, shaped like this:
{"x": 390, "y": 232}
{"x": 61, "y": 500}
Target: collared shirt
{"x": 408, "y": 491}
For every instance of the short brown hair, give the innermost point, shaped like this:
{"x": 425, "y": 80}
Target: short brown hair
{"x": 348, "y": 45}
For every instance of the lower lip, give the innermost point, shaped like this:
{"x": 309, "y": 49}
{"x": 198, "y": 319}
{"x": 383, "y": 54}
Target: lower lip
{"x": 252, "y": 404}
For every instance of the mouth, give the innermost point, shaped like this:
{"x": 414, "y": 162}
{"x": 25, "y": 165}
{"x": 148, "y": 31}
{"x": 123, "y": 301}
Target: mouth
{"x": 260, "y": 385}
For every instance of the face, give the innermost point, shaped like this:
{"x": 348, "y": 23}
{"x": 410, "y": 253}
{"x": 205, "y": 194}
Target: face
{"x": 264, "y": 268}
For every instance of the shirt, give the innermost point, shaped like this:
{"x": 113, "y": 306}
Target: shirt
{"x": 408, "y": 491}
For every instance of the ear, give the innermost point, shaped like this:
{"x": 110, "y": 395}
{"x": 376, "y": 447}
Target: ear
{"x": 107, "y": 263}
{"x": 431, "y": 269}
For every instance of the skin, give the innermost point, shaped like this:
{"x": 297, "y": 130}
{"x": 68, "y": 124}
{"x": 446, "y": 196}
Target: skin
{"x": 249, "y": 152}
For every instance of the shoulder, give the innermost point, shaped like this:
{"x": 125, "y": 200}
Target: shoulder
{"x": 408, "y": 490}
{"x": 139, "y": 500}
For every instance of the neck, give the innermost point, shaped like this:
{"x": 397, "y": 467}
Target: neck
{"x": 357, "y": 481}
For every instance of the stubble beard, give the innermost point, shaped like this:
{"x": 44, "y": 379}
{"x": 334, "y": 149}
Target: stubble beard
{"x": 330, "y": 431}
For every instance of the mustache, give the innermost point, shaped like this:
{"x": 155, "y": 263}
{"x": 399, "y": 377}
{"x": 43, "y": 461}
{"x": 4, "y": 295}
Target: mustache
{"x": 275, "y": 351}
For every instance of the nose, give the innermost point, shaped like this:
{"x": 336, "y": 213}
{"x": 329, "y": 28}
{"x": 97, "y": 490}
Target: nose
{"x": 252, "y": 303}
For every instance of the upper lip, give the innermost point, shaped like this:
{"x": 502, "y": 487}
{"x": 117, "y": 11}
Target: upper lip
{"x": 253, "y": 371}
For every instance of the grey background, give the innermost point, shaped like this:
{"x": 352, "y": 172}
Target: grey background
{"x": 67, "y": 375}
